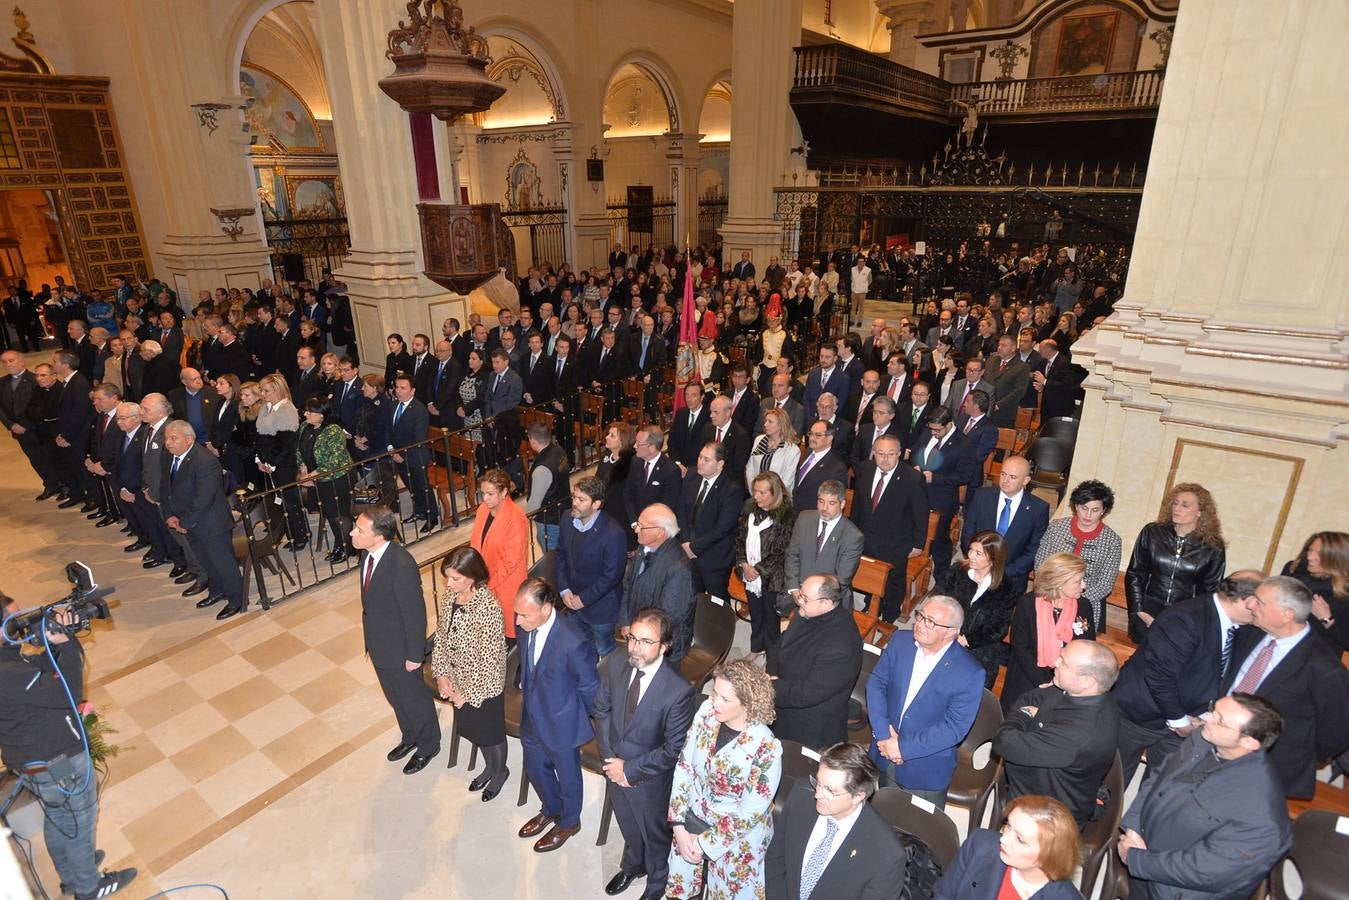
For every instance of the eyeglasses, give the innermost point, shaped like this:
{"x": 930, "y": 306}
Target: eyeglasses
{"x": 1212, "y": 716}
{"x": 828, "y": 791}
{"x": 925, "y": 619}
{"x": 644, "y": 643}
{"x": 638, "y": 526}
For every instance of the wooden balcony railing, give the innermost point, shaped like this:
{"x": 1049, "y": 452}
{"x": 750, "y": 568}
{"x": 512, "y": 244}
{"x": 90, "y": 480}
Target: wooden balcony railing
{"x": 845, "y": 69}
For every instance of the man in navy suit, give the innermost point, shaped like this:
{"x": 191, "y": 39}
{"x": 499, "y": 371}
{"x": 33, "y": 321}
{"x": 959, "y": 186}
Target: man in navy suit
{"x": 558, "y": 682}
{"x": 721, "y": 427}
{"x": 643, "y": 710}
{"x": 505, "y": 389}
{"x": 1015, "y": 513}
{"x": 745, "y": 404}
{"x": 922, "y": 699}
{"x": 592, "y": 552}
{"x": 104, "y": 452}
{"x": 347, "y": 395}
{"x": 973, "y": 422}
{"x": 74, "y": 415}
{"x": 826, "y": 378}
{"x": 125, "y": 479}
{"x": 193, "y": 502}
{"x": 408, "y": 424}
{"x": 709, "y": 513}
{"x": 653, "y": 477}
{"x": 1177, "y": 670}
{"x": 947, "y": 462}
{"x": 687, "y": 428}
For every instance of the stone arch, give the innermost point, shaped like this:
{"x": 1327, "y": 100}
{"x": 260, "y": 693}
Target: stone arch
{"x": 719, "y": 90}
{"x": 655, "y": 69}
{"x": 238, "y": 29}
{"x": 537, "y": 60}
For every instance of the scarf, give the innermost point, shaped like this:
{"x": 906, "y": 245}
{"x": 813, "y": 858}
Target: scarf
{"x": 1051, "y": 636}
{"x": 1081, "y": 537}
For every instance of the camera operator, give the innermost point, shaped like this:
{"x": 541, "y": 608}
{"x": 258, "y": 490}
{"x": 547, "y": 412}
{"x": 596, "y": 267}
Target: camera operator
{"x": 41, "y": 741}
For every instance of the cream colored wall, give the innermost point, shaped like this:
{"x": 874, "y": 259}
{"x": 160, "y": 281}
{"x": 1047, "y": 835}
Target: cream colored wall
{"x": 285, "y": 43}
{"x": 635, "y": 161}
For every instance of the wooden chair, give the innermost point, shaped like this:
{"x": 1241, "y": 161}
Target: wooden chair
{"x": 737, "y": 591}
{"x": 1318, "y": 854}
{"x": 1098, "y": 838}
{"x": 919, "y": 571}
{"x": 870, "y": 580}
{"x": 847, "y": 502}
{"x": 713, "y": 632}
{"x": 1025, "y": 416}
{"x": 737, "y": 355}
{"x": 906, "y": 813}
{"x": 437, "y": 475}
{"x": 977, "y": 769}
{"x": 589, "y": 427}
{"x": 634, "y": 393}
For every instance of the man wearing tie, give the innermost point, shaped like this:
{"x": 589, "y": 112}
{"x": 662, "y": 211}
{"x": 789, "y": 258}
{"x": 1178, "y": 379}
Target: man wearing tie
{"x": 858, "y": 408}
{"x": 709, "y": 511}
{"x": 1015, "y": 513}
{"x": 882, "y": 414}
{"x": 660, "y": 575}
{"x": 347, "y": 395}
{"x": 961, "y": 387}
{"x": 723, "y": 430}
{"x": 898, "y": 383}
{"x": 947, "y": 463}
{"x": 820, "y": 463}
{"x": 408, "y": 423}
{"x": 824, "y": 541}
{"x": 653, "y": 476}
{"x": 648, "y": 352}
{"x": 744, "y": 403}
{"x": 890, "y": 508}
{"x": 643, "y": 710}
{"x": 16, "y": 414}
{"x": 781, "y": 397}
{"x": 558, "y": 682}
{"x": 505, "y": 388}
{"x": 393, "y": 617}
{"x": 911, "y": 418}
{"x": 538, "y": 383}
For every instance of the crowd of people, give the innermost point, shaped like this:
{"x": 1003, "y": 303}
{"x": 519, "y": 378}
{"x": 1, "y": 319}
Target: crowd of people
{"x": 778, "y": 480}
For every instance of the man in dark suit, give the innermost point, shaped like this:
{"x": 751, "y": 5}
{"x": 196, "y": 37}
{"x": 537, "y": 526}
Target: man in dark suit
{"x": 1056, "y": 381}
{"x": 1010, "y": 377}
{"x": 829, "y": 842}
{"x": 1281, "y": 661}
{"x": 408, "y": 424}
{"x": 744, "y": 269}
{"x": 915, "y": 740}
{"x": 709, "y": 513}
{"x": 882, "y": 415}
{"x": 420, "y": 371}
{"x": 686, "y": 432}
{"x": 815, "y": 664}
{"x": 74, "y": 414}
{"x": 287, "y": 346}
{"x": 393, "y": 617}
{"x": 17, "y": 387}
{"x": 911, "y": 418}
{"x": 505, "y": 389}
{"x": 126, "y": 479}
{"x": 826, "y": 410}
{"x": 169, "y": 336}
{"x": 1012, "y": 511}
{"x": 166, "y": 545}
{"x": 305, "y": 383}
{"x": 347, "y": 395}
{"x": 592, "y": 552}
{"x": 262, "y": 341}
{"x": 898, "y": 383}
{"x": 722, "y": 429}
{"x": 83, "y": 348}
{"x": 193, "y": 502}
{"x": 1060, "y": 741}
{"x": 961, "y": 387}
{"x": 565, "y": 375}
{"x": 133, "y": 367}
{"x": 535, "y": 373}
{"x": 974, "y": 423}
{"x": 653, "y": 476}
{"x": 660, "y": 575}
{"x": 826, "y": 378}
{"x": 558, "y": 683}
{"x": 231, "y": 357}
{"x": 745, "y": 405}
{"x": 781, "y": 397}
{"x": 196, "y": 403}
{"x": 643, "y": 710}
{"x": 824, "y": 541}
{"x": 947, "y": 463}
{"x": 105, "y": 449}
{"x": 1211, "y": 821}
{"x": 890, "y": 508}
{"x": 857, "y": 408}
{"x": 646, "y": 354}
{"x": 819, "y": 464}
{"x": 1178, "y": 670}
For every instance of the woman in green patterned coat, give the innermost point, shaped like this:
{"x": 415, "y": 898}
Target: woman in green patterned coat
{"x": 321, "y": 451}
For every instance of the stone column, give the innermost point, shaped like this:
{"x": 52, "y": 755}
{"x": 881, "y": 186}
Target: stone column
{"x": 908, "y": 18}
{"x": 1226, "y": 362}
{"x": 682, "y": 155}
{"x": 763, "y": 35}
{"x": 374, "y": 148}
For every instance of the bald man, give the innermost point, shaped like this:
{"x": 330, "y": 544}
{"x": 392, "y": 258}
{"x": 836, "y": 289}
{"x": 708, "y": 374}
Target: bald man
{"x": 1010, "y": 509}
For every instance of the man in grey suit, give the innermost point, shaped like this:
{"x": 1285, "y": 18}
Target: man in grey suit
{"x": 962, "y": 387}
{"x": 1010, "y": 377}
{"x": 782, "y": 399}
{"x": 505, "y": 388}
{"x": 824, "y": 541}
{"x": 1212, "y": 821}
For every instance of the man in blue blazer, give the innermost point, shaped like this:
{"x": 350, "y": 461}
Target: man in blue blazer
{"x": 592, "y": 552}
{"x": 642, "y": 715}
{"x": 409, "y": 422}
{"x": 709, "y": 513}
{"x": 1015, "y": 513}
{"x": 916, "y": 729}
{"x": 505, "y": 387}
{"x": 126, "y": 477}
{"x": 347, "y": 395}
{"x": 558, "y": 681}
{"x": 948, "y": 463}
{"x": 826, "y": 378}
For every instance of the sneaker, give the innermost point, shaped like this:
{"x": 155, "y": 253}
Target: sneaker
{"x": 98, "y": 861}
{"x": 109, "y": 884}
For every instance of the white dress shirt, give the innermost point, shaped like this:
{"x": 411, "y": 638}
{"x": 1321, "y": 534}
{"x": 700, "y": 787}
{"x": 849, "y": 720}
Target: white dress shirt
{"x": 541, "y": 636}
{"x": 818, "y": 832}
{"x": 923, "y": 666}
{"x": 1002, "y": 501}
{"x": 648, "y": 675}
{"x": 1282, "y": 647}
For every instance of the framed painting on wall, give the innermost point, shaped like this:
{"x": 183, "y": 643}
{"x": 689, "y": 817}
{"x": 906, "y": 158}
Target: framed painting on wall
{"x": 314, "y": 197}
{"x": 1085, "y": 43}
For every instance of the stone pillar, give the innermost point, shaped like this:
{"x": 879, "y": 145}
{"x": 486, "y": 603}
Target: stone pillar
{"x": 763, "y": 35}
{"x": 1226, "y": 362}
{"x": 571, "y": 181}
{"x": 908, "y": 18}
{"x": 374, "y": 145}
{"x": 682, "y": 155}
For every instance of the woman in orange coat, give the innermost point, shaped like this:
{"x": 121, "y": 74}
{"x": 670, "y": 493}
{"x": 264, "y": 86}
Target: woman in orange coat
{"x": 501, "y": 535}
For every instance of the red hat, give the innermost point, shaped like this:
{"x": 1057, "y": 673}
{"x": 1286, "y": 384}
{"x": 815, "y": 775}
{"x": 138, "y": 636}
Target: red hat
{"x": 773, "y": 309}
{"x": 709, "y": 329}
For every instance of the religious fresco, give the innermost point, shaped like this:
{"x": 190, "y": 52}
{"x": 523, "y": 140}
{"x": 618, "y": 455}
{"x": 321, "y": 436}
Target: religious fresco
{"x": 277, "y": 115}
{"x": 1085, "y": 43}
{"x": 314, "y": 197}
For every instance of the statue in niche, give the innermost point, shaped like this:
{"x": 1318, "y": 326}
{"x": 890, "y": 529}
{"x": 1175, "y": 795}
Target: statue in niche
{"x": 635, "y": 107}
{"x": 524, "y": 189}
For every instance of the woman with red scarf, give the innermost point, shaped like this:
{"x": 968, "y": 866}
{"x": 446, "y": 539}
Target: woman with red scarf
{"x": 1045, "y": 620}
{"x": 1085, "y": 535}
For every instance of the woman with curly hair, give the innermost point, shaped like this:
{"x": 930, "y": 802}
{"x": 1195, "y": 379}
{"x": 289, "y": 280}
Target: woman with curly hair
{"x": 1177, "y": 557}
{"x": 1044, "y": 621}
{"x": 724, "y": 784}
{"x": 1323, "y": 566}
{"x": 761, "y": 554}
{"x": 1085, "y": 534}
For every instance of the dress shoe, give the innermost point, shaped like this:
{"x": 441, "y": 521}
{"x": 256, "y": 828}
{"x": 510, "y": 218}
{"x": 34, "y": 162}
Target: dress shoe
{"x": 88, "y": 507}
{"x": 194, "y": 589}
{"x": 229, "y": 612}
{"x": 535, "y": 826}
{"x": 555, "y": 838}
{"x": 68, "y": 503}
{"x": 96, "y": 514}
{"x": 125, "y": 529}
{"x": 139, "y": 545}
{"x": 154, "y": 562}
{"x": 297, "y": 546}
{"x": 208, "y": 601}
{"x": 417, "y": 763}
{"x": 490, "y": 793}
{"x": 47, "y": 494}
{"x": 400, "y": 751}
{"x": 178, "y": 569}
{"x": 185, "y": 578}
{"x": 336, "y": 556}
{"x": 480, "y": 782}
{"x": 105, "y": 522}
{"x": 620, "y": 882}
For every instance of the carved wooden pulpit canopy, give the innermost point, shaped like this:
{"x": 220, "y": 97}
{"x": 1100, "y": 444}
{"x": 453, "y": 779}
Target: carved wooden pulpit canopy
{"x": 440, "y": 68}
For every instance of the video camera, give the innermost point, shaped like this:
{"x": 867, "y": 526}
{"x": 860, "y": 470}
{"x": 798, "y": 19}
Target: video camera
{"x": 69, "y": 615}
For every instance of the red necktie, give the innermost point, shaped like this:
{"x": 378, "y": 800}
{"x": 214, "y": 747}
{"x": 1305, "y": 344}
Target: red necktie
{"x": 369, "y": 570}
{"x": 1251, "y": 680}
{"x": 876, "y": 494}
{"x": 969, "y": 426}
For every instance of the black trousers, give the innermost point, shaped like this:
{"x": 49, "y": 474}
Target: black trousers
{"x": 413, "y": 707}
{"x": 335, "y": 501}
{"x": 215, "y": 553}
{"x": 297, "y": 520}
{"x": 41, "y": 461}
{"x": 70, "y": 468}
{"x": 414, "y": 478}
{"x": 765, "y": 625}
{"x": 647, "y": 833}
{"x": 1134, "y": 739}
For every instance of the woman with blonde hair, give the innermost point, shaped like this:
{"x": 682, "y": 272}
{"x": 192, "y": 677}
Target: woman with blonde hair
{"x": 724, "y": 784}
{"x": 244, "y": 439}
{"x": 1323, "y": 566}
{"x": 1044, "y": 621}
{"x": 776, "y": 450}
{"x": 1034, "y": 854}
{"x": 1179, "y": 556}
{"x": 278, "y": 430}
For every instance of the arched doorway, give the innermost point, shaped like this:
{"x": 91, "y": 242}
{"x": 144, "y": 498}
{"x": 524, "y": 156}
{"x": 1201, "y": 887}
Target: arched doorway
{"x": 639, "y": 107}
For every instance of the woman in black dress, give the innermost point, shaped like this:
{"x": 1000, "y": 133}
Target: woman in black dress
{"x": 244, "y": 438}
{"x": 987, "y": 598}
{"x": 1323, "y": 566}
{"x": 472, "y": 393}
{"x": 372, "y": 426}
{"x": 761, "y": 556}
{"x": 226, "y": 420}
{"x": 469, "y": 663}
{"x": 1044, "y": 621}
{"x": 613, "y": 471}
{"x": 398, "y": 360}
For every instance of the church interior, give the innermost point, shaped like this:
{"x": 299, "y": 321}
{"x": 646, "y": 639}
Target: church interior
{"x": 1182, "y": 153}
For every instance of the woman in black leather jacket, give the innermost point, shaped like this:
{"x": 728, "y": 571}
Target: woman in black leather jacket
{"x": 1177, "y": 557}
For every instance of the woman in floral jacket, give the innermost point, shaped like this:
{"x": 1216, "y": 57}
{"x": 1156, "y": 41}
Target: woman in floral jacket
{"x": 723, "y": 790}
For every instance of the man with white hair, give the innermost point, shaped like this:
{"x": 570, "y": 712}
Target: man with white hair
{"x": 660, "y": 575}
{"x": 922, "y": 698}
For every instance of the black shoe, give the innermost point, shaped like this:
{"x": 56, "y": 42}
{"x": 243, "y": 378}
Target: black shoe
{"x": 297, "y": 546}
{"x": 336, "y": 556}
{"x": 177, "y": 570}
{"x": 480, "y": 782}
{"x": 185, "y": 578}
{"x": 431, "y": 523}
{"x": 47, "y": 494}
{"x": 105, "y": 522}
{"x": 89, "y": 506}
{"x": 194, "y": 589}
{"x": 125, "y": 529}
{"x": 417, "y": 763}
{"x": 229, "y": 612}
{"x": 98, "y": 513}
{"x": 138, "y": 546}
{"x": 400, "y": 751}
{"x": 109, "y": 884}
{"x": 490, "y": 793}
{"x": 208, "y": 601}
{"x": 98, "y": 861}
{"x": 621, "y": 882}
{"x": 154, "y": 562}
{"x": 68, "y": 503}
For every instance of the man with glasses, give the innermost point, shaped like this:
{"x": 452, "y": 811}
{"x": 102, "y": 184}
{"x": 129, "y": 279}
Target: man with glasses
{"x": 824, "y": 541}
{"x": 643, "y": 710}
{"x": 890, "y": 508}
{"x": 653, "y": 476}
{"x": 1211, "y": 821}
{"x": 660, "y": 575}
{"x": 814, "y": 666}
{"x": 922, "y": 699}
{"x": 820, "y": 463}
{"x": 829, "y": 842}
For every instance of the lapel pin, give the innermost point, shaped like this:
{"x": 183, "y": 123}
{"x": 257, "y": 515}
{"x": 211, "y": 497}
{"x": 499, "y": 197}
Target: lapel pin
{"x": 852, "y": 854}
